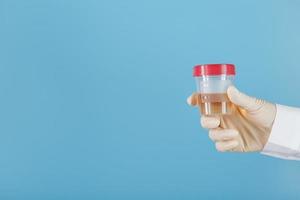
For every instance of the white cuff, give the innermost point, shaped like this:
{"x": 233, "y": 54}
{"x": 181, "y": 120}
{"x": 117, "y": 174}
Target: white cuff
{"x": 284, "y": 140}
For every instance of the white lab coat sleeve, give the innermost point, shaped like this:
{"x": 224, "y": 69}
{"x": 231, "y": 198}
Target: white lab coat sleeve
{"x": 284, "y": 139}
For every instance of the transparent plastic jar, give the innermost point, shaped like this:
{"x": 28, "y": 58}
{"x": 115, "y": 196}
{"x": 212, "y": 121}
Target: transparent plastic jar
{"x": 212, "y": 82}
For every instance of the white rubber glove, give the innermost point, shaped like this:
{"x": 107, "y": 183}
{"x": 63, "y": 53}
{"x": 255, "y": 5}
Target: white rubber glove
{"x": 246, "y": 129}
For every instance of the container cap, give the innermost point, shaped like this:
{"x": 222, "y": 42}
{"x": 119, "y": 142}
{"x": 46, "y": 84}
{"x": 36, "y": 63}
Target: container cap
{"x": 214, "y": 69}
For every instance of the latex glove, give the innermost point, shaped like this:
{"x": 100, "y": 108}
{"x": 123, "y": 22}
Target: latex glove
{"x": 246, "y": 129}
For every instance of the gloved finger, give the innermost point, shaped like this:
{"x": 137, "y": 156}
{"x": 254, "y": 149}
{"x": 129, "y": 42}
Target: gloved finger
{"x": 223, "y": 146}
{"x": 246, "y": 102}
{"x": 223, "y": 134}
{"x": 210, "y": 121}
{"x": 193, "y": 99}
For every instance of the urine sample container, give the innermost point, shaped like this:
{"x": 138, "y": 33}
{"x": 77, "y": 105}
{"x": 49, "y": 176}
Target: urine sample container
{"x": 212, "y": 82}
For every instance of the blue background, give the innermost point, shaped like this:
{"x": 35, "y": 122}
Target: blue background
{"x": 93, "y": 97}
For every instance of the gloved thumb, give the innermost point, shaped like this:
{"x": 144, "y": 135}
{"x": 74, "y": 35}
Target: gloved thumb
{"x": 248, "y": 103}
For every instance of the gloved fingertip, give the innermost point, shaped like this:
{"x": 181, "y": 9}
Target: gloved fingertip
{"x": 192, "y": 100}
{"x": 189, "y": 100}
{"x": 232, "y": 92}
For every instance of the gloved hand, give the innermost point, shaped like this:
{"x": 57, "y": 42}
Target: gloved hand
{"x": 246, "y": 129}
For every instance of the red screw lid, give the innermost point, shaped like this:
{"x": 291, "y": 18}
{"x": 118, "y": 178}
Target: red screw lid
{"x": 214, "y": 69}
